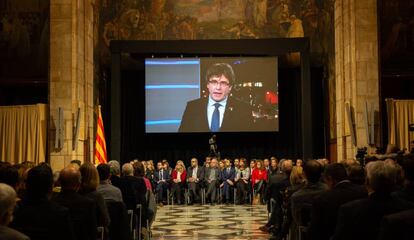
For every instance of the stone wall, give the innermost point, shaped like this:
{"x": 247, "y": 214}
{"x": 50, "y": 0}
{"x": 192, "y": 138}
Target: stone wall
{"x": 71, "y": 78}
{"x": 356, "y": 72}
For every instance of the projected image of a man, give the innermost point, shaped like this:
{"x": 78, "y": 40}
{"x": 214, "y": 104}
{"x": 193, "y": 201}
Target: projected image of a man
{"x": 220, "y": 111}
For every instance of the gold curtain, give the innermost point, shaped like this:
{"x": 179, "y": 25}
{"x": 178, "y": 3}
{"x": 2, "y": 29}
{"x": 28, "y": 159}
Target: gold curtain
{"x": 23, "y": 132}
{"x": 400, "y": 114}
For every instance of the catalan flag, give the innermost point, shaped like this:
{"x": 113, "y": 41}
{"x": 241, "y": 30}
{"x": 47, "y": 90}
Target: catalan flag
{"x": 100, "y": 144}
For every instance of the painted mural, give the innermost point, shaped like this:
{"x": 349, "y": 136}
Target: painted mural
{"x": 219, "y": 19}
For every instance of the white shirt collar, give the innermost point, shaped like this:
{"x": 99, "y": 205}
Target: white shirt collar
{"x": 223, "y": 102}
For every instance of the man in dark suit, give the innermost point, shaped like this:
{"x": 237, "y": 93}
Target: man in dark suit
{"x": 360, "y": 219}
{"x": 37, "y": 216}
{"x": 227, "y": 176}
{"x": 302, "y": 200}
{"x": 212, "y": 178}
{"x": 82, "y": 210}
{"x": 220, "y": 111}
{"x": 162, "y": 178}
{"x": 195, "y": 175}
{"x": 325, "y": 207}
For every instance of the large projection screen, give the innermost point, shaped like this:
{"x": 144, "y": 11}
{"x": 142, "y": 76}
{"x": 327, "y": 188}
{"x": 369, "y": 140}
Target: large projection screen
{"x": 182, "y": 94}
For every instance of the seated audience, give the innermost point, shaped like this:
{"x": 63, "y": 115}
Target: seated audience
{"x": 166, "y": 166}
{"x": 207, "y": 162}
{"x": 195, "y": 175}
{"x": 356, "y": 174}
{"x": 407, "y": 191}
{"x": 398, "y": 226}
{"x": 242, "y": 182}
{"x": 76, "y": 163}
{"x": 10, "y": 176}
{"x": 259, "y": 178}
{"x": 360, "y": 219}
{"x": 325, "y": 206}
{"x": 115, "y": 171}
{"x": 273, "y": 169}
{"x": 236, "y": 163}
{"x": 303, "y": 198}
{"x": 178, "y": 176}
{"x": 221, "y": 165}
{"x": 105, "y": 188}
{"x": 277, "y": 188}
{"x": 89, "y": 184}
{"x": 212, "y": 178}
{"x": 7, "y": 204}
{"x": 139, "y": 171}
{"x": 252, "y": 166}
{"x": 162, "y": 177}
{"x": 266, "y": 164}
{"x": 283, "y": 213}
{"x": 37, "y": 216}
{"x": 82, "y": 209}
{"x": 149, "y": 173}
{"x": 227, "y": 178}
{"x": 134, "y": 188}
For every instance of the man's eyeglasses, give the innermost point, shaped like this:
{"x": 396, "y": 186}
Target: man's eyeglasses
{"x": 216, "y": 83}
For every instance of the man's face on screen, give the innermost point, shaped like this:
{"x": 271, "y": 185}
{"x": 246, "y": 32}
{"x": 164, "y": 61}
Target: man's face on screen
{"x": 219, "y": 87}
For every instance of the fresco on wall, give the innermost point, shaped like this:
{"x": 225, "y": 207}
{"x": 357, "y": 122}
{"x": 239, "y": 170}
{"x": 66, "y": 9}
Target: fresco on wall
{"x": 397, "y": 33}
{"x": 225, "y": 19}
{"x": 219, "y": 19}
{"x": 24, "y": 38}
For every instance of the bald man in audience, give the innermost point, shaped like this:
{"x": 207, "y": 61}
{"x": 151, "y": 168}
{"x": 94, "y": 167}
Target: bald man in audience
{"x": 7, "y": 204}
{"x": 82, "y": 210}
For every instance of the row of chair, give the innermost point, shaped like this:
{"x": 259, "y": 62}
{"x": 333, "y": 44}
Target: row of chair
{"x": 170, "y": 199}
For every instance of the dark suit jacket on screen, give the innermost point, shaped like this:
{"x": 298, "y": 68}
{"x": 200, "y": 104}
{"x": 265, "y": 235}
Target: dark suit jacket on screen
{"x": 237, "y": 117}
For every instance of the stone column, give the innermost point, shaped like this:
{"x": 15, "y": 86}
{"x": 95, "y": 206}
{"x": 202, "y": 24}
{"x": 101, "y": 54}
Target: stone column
{"x": 356, "y": 71}
{"x": 71, "y": 78}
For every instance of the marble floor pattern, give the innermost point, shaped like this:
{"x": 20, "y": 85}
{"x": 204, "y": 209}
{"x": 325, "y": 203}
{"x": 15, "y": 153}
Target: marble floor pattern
{"x": 230, "y": 222}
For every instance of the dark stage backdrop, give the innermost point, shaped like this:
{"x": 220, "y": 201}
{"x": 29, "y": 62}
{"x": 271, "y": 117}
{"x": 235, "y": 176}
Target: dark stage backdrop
{"x": 135, "y": 143}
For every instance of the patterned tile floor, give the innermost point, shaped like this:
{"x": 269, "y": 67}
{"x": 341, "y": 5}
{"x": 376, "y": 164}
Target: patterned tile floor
{"x": 210, "y": 222}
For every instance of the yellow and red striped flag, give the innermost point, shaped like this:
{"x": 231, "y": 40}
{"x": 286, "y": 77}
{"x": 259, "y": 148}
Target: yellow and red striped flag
{"x": 100, "y": 144}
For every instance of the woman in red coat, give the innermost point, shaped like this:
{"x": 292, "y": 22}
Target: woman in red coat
{"x": 178, "y": 177}
{"x": 259, "y": 178}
